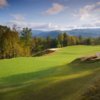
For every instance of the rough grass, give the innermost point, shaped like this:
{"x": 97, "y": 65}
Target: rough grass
{"x": 93, "y": 92}
{"x": 57, "y": 76}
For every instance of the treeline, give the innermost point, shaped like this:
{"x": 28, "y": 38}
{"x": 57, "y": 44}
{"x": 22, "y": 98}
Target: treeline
{"x": 14, "y": 43}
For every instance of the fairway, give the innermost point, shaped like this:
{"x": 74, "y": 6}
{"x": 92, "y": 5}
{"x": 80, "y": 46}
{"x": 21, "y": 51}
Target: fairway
{"x": 56, "y": 76}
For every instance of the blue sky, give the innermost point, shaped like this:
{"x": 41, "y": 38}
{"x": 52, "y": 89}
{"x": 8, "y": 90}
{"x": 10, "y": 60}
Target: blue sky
{"x": 50, "y": 14}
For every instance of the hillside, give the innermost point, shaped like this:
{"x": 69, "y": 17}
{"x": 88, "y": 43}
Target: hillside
{"x": 58, "y": 76}
{"x": 74, "y": 32}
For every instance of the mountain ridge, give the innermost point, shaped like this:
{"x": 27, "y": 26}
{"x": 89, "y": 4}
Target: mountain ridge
{"x": 95, "y": 32}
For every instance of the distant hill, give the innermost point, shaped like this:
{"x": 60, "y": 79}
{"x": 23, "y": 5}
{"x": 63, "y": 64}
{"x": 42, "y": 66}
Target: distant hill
{"x": 44, "y": 34}
{"x": 75, "y": 32}
{"x": 85, "y": 32}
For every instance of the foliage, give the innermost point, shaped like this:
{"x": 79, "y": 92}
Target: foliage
{"x": 9, "y": 44}
{"x": 13, "y": 43}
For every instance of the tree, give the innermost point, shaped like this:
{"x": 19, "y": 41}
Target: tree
{"x": 48, "y": 41}
{"x": 3, "y": 29}
{"x": 73, "y": 40}
{"x": 97, "y": 41}
{"x": 54, "y": 43}
{"x": 26, "y": 38}
{"x": 9, "y": 44}
{"x": 65, "y": 40}
{"x": 60, "y": 39}
{"x": 80, "y": 39}
{"x": 89, "y": 41}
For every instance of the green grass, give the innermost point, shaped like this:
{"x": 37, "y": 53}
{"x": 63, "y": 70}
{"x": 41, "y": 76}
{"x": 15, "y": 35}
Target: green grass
{"x": 57, "y": 76}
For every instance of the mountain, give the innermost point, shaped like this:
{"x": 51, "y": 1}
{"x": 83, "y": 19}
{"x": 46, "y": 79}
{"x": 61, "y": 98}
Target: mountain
{"x": 85, "y": 32}
{"x": 44, "y": 34}
{"x": 75, "y": 32}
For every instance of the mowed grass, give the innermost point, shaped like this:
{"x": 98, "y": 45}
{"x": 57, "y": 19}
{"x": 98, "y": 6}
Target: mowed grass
{"x": 57, "y": 76}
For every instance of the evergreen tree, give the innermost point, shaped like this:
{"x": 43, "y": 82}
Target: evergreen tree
{"x": 48, "y": 41}
{"x": 26, "y": 36}
{"x": 26, "y": 39}
{"x": 60, "y": 39}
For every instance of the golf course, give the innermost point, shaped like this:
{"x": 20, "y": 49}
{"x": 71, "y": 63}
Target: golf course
{"x": 56, "y": 76}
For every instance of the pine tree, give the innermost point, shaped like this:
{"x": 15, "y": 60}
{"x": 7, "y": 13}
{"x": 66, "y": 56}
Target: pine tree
{"x": 26, "y": 39}
{"x": 60, "y": 39}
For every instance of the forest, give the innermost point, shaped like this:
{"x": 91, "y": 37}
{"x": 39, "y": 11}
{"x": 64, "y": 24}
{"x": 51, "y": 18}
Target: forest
{"x": 14, "y": 43}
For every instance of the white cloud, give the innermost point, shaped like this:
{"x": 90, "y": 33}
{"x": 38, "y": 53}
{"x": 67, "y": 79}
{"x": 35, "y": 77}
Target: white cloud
{"x": 51, "y": 26}
{"x": 38, "y": 26}
{"x": 3, "y": 3}
{"x": 18, "y": 17}
{"x": 89, "y": 12}
{"x": 95, "y": 24}
{"x": 20, "y": 22}
{"x": 55, "y": 9}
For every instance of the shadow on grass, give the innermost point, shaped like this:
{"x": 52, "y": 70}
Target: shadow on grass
{"x": 74, "y": 67}
{"x": 51, "y": 84}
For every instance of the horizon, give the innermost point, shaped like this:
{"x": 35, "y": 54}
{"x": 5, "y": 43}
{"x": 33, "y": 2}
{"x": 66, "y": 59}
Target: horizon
{"x": 50, "y": 15}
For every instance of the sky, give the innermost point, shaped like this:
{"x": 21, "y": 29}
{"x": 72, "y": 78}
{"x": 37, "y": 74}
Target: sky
{"x": 50, "y": 14}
